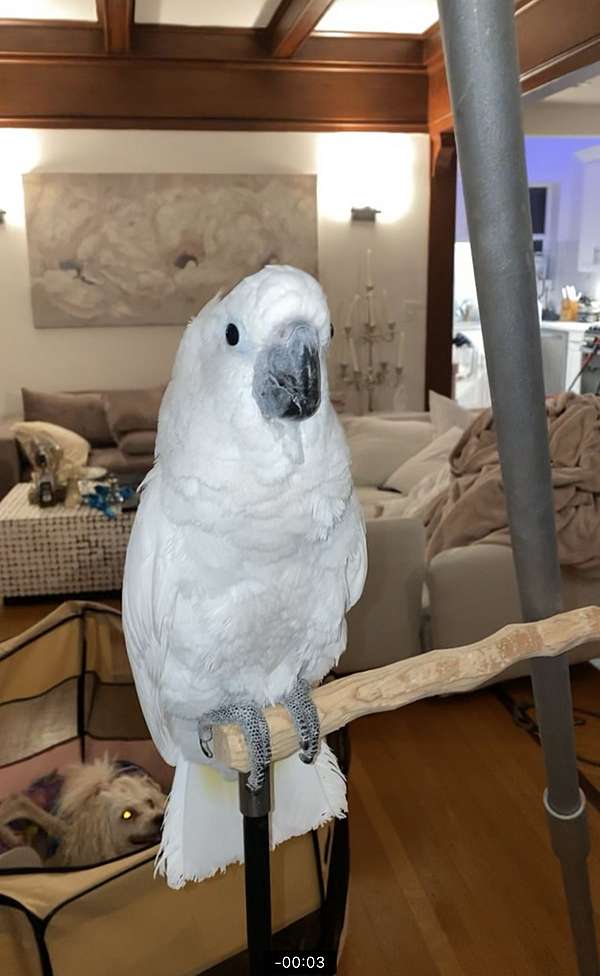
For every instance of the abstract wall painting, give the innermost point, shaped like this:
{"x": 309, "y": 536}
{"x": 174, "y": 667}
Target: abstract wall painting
{"x": 150, "y": 249}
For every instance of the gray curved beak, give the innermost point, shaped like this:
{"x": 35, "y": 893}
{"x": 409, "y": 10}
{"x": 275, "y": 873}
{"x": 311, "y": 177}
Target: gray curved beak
{"x": 287, "y": 374}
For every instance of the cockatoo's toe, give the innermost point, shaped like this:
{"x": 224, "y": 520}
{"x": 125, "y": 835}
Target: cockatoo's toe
{"x": 305, "y": 717}
{"x": 256, "y": 734}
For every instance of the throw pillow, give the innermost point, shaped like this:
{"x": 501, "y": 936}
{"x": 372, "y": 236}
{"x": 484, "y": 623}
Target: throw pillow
{"x": 138, "y": 442}
{"x": 422, "y": 494}
{"x": 128, "y": 410}
{"x": 426, "y": 462}
{"x": 75, "y": 449}
{"x": 82, "y": 413}
{"x": 378, "y": 447}
{"x": 446, "y": 413}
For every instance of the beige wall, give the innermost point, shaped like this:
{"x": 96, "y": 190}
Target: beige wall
{"x": 389, "y": 171}
{"x": 541, "y": 118}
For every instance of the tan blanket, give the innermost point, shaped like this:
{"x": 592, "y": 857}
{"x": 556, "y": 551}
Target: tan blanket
{"x": 472, "y": 509}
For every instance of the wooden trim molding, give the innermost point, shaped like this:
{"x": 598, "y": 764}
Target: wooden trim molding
{"x": 398, "y": 49}
{"x": 116, "y": 18}
{"x": 172, "y": 41}
{"x": 59, "y": 37}
{"x": 292, "y": 23}
{"x": 152, "y": 93}
{"x": 440, "y": 266}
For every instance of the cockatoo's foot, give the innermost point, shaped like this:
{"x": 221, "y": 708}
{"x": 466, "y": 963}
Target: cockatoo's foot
{"x": 256, "y": 734}
{"x": 305, "y": 717}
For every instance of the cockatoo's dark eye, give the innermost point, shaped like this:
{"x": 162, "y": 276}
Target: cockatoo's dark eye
{"x": 232, "y": 334}
{"x": 332, "y": 330}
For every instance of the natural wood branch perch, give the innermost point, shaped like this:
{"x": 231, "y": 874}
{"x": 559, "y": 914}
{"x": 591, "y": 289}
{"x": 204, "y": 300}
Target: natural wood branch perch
{"x": 435, "y": 673}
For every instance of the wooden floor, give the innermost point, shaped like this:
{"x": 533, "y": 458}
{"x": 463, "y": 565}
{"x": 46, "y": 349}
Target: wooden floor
{"x": 452, "y": 872}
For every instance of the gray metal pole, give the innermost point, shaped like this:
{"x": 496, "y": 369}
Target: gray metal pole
{"x": 481, "y": 58}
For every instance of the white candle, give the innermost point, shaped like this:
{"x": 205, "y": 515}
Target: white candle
{"x": 355, "y": 365}
{"x": 386, "y": 310}
{"x": 344, "y": 359}
{"x": 400, "y": 351}
{"x": 350, "y": 315}
{"x": 344, "y": 338}
{"x": 369, "y": 273}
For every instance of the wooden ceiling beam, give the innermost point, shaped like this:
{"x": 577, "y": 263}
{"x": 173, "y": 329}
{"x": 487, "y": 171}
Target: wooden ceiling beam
{"x": 291, "y": 25}
{"x": 553, "y": 39}
{"x": 56, "y": 37}
{"x": 156, "y": 93}
{"x": 116, "y": 18}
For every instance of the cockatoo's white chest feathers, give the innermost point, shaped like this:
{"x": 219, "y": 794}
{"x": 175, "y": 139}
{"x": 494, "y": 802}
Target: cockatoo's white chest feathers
{"x": 261, "y": 591}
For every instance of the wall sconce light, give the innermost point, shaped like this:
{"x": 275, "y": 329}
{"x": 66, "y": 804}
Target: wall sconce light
{"x": 364, "y": 213}
{"x": 2, "y": 213}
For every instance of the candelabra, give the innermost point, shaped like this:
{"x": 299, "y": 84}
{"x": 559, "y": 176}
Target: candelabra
{"x": 378, "y": 372}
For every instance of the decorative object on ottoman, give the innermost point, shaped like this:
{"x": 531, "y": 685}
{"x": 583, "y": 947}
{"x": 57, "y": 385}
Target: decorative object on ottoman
{"x": 45, "y": 461}
{"x": 57, "y": 456}
{"x": 107, "y": 497}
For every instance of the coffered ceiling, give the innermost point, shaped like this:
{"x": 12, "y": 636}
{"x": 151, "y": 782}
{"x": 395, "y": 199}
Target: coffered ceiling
{"x": 206, "y": 13}
{"x": 49, "y": 9}
{"x": 247, "y": 64}
{"x": 380, "y": 16}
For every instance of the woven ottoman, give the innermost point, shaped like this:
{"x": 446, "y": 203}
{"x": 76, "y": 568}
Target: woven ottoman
{"x": 58, "y": 549}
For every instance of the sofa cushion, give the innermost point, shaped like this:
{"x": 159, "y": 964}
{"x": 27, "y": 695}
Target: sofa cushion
{"x": 83, "y": 413}
{"x": 117, "y": 462}
{"x": 128, "y": 410}
{"x": 138, "y": 442}
{"x": 427, "y": 462}
{"x": 378, "y": 447}
{"x": 374, "y": 496}
{"x": 447, "y": 413}
{"x": 75, "y": 449}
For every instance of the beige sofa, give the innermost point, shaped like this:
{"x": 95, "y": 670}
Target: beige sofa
{"x": 120, "y": 426}
{"x": 468, "y": 593}
{"x": 473, "y": 592}
{"x": 385, "y": 625}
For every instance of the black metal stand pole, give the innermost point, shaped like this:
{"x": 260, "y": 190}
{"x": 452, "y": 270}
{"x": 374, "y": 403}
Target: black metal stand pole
{"x": 255, "y": 811}
{"x": 481, "y": 57}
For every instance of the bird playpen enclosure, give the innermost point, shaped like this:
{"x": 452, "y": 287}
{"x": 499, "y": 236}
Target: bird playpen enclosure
{"x": 66, "y": 694}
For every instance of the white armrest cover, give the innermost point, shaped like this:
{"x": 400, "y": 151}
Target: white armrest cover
{"x": 384, "y": 625}
{"x": 473, "y": 593}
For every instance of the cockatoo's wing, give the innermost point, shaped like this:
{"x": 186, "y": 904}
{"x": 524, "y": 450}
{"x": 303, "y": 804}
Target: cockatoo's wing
{"x": 147, "y": 615}
{"x": 356, "y": 564}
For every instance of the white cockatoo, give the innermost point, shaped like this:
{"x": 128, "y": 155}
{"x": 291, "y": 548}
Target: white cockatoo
{"x": 247, "y": 550}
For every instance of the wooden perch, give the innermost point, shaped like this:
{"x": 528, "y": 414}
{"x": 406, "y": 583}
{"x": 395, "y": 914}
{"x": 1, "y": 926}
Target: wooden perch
{"x": 435, "y": 673}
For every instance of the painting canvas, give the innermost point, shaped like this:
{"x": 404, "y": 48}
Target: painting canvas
{"x": 151, "y": 249}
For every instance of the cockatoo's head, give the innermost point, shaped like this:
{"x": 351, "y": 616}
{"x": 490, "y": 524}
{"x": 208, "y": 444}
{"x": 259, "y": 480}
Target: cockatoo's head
{"x": 251, "y": 360}
{"x": 265, "y": 341}
{"x": 248, "y": 402}
{"x": 279, "y": 320}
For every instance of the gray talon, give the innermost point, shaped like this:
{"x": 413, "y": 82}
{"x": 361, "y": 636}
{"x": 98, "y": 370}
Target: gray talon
{"x": 256, "y": 734}
{"x": 305, "y": 717}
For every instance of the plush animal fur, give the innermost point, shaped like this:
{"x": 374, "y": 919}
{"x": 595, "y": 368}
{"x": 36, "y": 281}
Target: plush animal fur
{"x": 102, "y": 812}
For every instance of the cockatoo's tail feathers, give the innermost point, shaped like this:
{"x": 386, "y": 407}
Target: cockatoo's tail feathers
{"x": 203, "y": 833}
